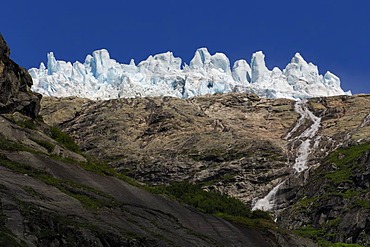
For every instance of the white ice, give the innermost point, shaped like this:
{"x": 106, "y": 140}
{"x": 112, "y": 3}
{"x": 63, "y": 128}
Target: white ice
{"x": 101, "y": 77}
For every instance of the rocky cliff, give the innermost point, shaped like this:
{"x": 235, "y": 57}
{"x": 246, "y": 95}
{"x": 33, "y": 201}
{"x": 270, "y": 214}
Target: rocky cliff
{"x": 334, "y": 203}
{"x": 232, "y": 143}
{"x": 238, "y": 144}
{"x": 15, "y": 86}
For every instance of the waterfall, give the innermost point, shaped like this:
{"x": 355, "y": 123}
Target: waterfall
{"x": 306, "y": 139}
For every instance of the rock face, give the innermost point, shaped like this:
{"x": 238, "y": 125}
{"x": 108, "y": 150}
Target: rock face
{"x": 232, "y": 143}
{"x": 334, "y": 203}
{"x": 47, "y": 200}
{"x": 15, "y": 84}
{"x": 238, "y": 144}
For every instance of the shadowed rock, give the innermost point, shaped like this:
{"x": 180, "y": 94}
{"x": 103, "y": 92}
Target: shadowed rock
{"x": 15, "y": 84}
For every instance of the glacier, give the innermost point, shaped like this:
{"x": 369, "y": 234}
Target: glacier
{"x": 100, "y": 77}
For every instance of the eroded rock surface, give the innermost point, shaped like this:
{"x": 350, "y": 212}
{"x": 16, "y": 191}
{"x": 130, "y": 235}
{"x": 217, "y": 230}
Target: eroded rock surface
{"x": 233, "y": 143}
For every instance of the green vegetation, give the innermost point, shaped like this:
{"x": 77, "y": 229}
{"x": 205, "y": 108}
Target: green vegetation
{"x": 47, "y": 145}
{"x": 319, "y": 236}
{"x": 324, "y": 243}
{"x": 103, "y": 169}
{"x": 306, "y": 202}
{"x": 64, "y": 139}
{"x": 40, "y": 118}
{"x": 346, "y": 155}
{"x": 310, "y": 232}
{"x": 344, "y": 159}
{"x": 361, "y": 203}
{"x": 214, "y": 203}
{"x": 337, "y": 186}
{"x": 28, "y": 124}
{"x": 344, "y": 245}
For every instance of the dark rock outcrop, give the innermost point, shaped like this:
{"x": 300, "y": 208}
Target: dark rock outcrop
{"x": 15, "y": 86}
{"x": 334, "y": 204}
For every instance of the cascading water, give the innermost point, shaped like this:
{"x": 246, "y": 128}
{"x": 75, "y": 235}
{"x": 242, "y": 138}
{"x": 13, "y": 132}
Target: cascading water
{"x": 268, "y": 202}
{"x": 306, "y": 139}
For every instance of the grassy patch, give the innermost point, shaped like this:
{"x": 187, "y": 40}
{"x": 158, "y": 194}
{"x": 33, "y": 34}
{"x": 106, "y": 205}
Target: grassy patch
{"x": 340, "y": 176}
{"x": 344, "y": 159}
{"x": 319, "y": 235}
{"x": 344, "y": 245}
{"x": 310, "y": 232}
{"x": 64, "y": 139}
{"x": 351, "y": 193}
{"x": 251, "y": 222}
{"x": 361, "y": 203}
{"x": 103, "y": 169}
{"x": 47, "y": 145}
{"x": 327, "y": 244}
{"x": 306, "y": 202}
{"x": 27, "y": 124}
{"x": 341, "y": 157}
{"x": 208, "y": 202}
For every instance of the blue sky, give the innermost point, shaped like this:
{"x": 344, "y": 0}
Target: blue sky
{"x": 335, "y": 35}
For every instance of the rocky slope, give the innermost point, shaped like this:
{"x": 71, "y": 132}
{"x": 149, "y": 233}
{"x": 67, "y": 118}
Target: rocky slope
{"x": 238, "y": 144}
{"x": 229, "y": 142}
{"x": 48, "y": 199}
{"x": 334, "y": 204}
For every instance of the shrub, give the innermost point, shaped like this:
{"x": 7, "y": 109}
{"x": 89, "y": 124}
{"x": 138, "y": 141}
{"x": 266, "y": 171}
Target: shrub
{"x": 50, "y": 147}
{"x": 64, "y": 139}
{"x": 210, "y": 202}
